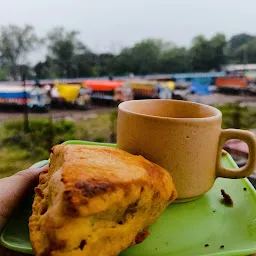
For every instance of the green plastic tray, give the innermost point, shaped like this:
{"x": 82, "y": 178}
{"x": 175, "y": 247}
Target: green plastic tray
{"x": 183, "y": 229}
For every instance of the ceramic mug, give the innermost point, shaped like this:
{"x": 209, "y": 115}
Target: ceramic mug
{"x": 183, "y": 137}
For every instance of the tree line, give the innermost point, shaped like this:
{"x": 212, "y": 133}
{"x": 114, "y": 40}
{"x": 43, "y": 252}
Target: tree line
{"x": 67, "y": 56}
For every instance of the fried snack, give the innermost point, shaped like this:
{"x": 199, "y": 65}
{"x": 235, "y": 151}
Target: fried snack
{"x": 96, "y": 201}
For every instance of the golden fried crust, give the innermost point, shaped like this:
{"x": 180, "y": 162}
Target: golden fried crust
{"x": 96, "y": 201}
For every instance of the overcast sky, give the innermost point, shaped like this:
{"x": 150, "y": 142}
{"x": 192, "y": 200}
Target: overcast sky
{"x": 109, "y": 25}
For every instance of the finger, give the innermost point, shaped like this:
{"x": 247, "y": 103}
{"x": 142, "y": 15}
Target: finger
{"x": 13, "y": 188}
{"x": 30, "y": 175}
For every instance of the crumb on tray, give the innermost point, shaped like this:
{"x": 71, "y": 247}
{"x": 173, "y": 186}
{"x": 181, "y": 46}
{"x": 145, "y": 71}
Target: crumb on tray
{"x": 226, "y": 198}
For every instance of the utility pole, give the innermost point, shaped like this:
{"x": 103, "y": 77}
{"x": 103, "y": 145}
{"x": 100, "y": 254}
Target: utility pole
{"x": 25, "y": 105}
{"x": 245, "y": 57}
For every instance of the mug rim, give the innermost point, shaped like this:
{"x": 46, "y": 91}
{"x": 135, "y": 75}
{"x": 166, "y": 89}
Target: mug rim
{"x": 216, "y": 112}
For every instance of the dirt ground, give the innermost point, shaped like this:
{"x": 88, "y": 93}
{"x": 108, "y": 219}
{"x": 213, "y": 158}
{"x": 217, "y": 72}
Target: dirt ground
{"x": 218, "y": 99}
{"x": 212, "y": 99}
{"x": 57, "y": 114}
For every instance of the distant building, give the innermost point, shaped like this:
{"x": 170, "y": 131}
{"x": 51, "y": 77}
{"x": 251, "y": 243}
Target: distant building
{"x": 239, "y": 67}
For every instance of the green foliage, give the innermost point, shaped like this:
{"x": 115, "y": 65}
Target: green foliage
{"x": 218, "y": 56}
{"x": 43, "y": 69}
{"x": 237, "y": 116}
{"x": 98, "y": 129}
{"x": 175, "y": 60}
{"x": 206, "y": 54}
{"x": 246, "y": 53}
{"x": 64, "y": 47}
{"x": 237, "y": 41}
{"x": 42, "y": 136}
{"x": 145, "y": 56}
{"x": 69, "y": 57}
{"x": 19, "y": 150}
{"x": 3, "y": 74}
{"x": 241, "y": 48}
{"x": 99, "y": 139}
{"x": 15, "y": 44}
{"x": 14, "y": 159}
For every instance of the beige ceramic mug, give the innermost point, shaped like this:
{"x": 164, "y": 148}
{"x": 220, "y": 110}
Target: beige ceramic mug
{"x": 183, "y": 137}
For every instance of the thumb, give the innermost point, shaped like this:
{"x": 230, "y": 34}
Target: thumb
{"x": 29, "y": 176}
{"x": 14, "y": 188}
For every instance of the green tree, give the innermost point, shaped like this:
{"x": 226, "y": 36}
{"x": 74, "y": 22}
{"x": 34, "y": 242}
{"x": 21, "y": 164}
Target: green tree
{"x": 237, "y": 48}
{"x": 105, "y": 62}
{"x": 218, "y": 56}
{"x": 206, "y": 54}
{"x": 3, "y": 74}
{"x": 246, "y": 53}
{"x": 15, "y": 44}
{"x": 42, "y": 70}
{"x": 237, "y": 41}
{"x": 85, "y": 64}
{"x": 145, "y": 56}
{"x": 63, "y": 46}
{"x": 200, "y": 53}
{"x": 175, "y": 60}
{"x": 123, "y": 62}
{"x": 142, "y": 58}
{"x": 27, "y": 70}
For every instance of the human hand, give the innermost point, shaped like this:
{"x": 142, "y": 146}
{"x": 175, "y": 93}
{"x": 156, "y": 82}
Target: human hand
{"x": 14, "y": 188}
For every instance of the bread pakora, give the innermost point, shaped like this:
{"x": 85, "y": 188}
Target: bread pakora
{"x": 96, "y": 201}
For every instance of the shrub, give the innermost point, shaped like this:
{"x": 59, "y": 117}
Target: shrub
{"x": 42, "y": 136}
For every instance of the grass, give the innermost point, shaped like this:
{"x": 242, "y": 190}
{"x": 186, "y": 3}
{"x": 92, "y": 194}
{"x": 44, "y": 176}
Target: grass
{"x": 19, "y": 151}
{"x": 239, "y": 117}
{"x": 14, "y": 159}
{"x": 99, "y": 129}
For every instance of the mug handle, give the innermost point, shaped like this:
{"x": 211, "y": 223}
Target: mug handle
{"x": 245, "y": 171}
